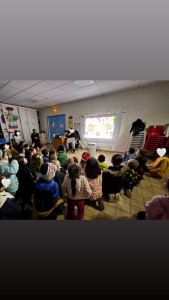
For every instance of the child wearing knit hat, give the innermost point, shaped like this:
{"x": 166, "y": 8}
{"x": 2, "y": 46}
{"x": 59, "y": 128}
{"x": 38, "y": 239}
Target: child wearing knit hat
{"x": 47, "y": 200}
{"x": 84, "y": 158}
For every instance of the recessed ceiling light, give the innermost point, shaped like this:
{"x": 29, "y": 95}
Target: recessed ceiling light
{"x": 83, "y": 83}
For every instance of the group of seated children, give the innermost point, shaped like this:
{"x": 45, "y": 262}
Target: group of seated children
{"x": 45, "y": 178}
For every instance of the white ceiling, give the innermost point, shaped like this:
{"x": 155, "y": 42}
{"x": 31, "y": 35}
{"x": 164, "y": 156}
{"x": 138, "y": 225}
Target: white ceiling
{"x": 40, "y": 94}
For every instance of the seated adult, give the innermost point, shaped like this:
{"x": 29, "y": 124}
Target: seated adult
{"x": 35, "y": 138}
{"x": 71, "y": 134}
{"x": 17, "y": 138}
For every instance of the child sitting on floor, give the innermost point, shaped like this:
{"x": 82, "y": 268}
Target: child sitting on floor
{"x": 157, "y": 208}
{"x": 75, "y": 159}
{"x": 129, "y": 154}
{"x": 142, "y": 153}
{"x": 131, "y": 177}
{"x": 113, "y": 178}
{"x": 21, "y": 150}
{"x": 101, "y": 160}
{"x": 84, "y": 158}
{"x": 35, "y": 165}
{"x": 47, "y": 200}
{"x": 9, "y": 209}
{"x": 94, "y": 177}
{"x": 53, "y": 159}
{"x": 26, "y": 182}
{"x": 142, "y": 165}
{"x": 68, "y": 161}
{"x": 62, "y": 155}
{"x": 77, "y": 189}
{"x": 45, "y": 153}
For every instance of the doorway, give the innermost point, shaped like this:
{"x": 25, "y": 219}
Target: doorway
{"x": 56, "y": 125}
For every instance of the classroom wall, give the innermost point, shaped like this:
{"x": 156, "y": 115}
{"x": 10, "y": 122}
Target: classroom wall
{"x": 149, "y": 103}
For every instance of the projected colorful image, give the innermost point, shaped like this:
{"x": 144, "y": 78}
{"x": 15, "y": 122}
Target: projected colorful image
{"x": 101, "y": 128}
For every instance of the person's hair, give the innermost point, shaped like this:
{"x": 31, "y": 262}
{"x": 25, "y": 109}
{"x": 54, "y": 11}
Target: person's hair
{"x": 52, "y": 157}
{"x": 68, "y": 161}
{"x": 101, "y": 158}
{"x": 1, "y": 185}
{"x": 2, "y": 146}
{"x": 20, "y": 160}
{"x": 15, "y": 132}
{"x": 61, "y": 148}
{"x": 116, "y": 159}
{"x": 26, "y": 146}
{"x": 20, "y": 148}
{"x": 92, "y": 169}
{"x": 22, "y": 143}
{"x": 83, "y": 163}
{"x": 74, "y": 173}
{"x": 75, "y": 159}
{"x": 45, "y": 152}
{"x": 28, "y": 153}
{"x": 143, "y": 152}
{"x": 36, "y": 163}
{"x": 52, "y": 151}
{"x": 142, "y": 160}
{"x": 31, "y": 148}
{"x": 133, "y": 164}
{"x": 131, "y": 150}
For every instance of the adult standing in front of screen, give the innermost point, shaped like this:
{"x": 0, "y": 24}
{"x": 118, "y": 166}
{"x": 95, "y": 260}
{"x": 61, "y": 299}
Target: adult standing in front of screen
{"x": 71, "y": 134}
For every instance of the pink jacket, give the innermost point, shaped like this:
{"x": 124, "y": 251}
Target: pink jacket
{"x": 96, "y": 186}
{"x": 158, "y": 208}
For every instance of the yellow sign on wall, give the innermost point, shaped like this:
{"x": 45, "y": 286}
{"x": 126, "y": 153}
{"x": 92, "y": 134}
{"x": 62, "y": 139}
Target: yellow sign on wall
{"x": 70, "y": 123}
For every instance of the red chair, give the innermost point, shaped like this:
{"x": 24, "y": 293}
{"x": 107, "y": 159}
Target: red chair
{"x": 167, "y": 143}
{"x": 156, "y": 130}
{"x": 154, "y": 139}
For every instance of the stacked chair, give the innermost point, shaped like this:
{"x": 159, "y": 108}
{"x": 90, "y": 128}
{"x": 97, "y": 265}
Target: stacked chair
{"x": 155, "y": 139}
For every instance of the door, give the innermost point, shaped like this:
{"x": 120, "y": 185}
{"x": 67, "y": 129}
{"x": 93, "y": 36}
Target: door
{"x": 56, "y": 125}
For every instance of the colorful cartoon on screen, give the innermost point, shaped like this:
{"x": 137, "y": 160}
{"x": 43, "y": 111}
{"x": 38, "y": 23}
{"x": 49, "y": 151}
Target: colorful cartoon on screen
{"x": 102, "y": 128}
{"x": 11, "y": 118}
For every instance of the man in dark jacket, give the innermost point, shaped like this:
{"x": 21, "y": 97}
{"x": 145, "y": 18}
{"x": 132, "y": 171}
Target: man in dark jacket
{"x": 137, "y": 126}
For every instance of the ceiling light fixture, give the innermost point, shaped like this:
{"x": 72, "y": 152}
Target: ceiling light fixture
{"x": 55, "y": 110}
{"x": 83, "y": 83}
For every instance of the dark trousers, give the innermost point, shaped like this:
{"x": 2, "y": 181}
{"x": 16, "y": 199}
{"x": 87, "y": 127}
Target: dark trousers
{"x": 71, "y": 205}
